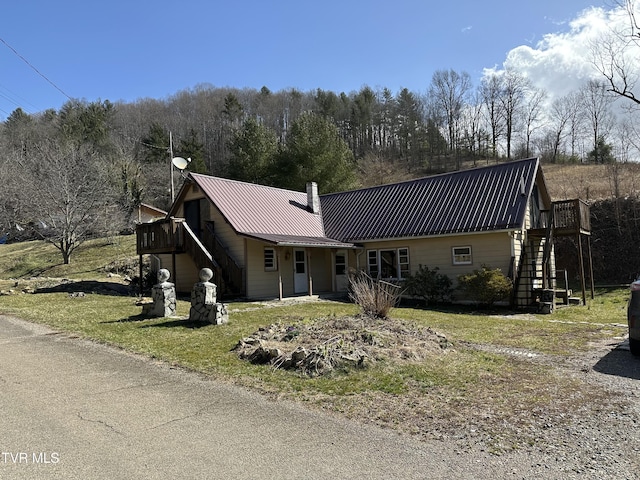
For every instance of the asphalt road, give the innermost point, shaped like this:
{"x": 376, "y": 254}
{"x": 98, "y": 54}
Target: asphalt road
{"x": 73, "y": 409}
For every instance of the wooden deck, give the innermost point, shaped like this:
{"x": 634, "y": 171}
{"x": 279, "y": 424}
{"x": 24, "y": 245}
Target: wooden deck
{"x": 162, "y": 236}
{"x": 569, "y": 217}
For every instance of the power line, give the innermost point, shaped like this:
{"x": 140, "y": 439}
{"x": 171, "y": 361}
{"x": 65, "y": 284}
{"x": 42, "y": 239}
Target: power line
{"x": 34, "y": 68}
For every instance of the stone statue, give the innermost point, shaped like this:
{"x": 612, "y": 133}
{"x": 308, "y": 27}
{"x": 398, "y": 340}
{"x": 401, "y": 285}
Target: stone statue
{"x": 203, "y": 301}
{"x": 163, "y": 277}
{"x": 164, "y": 296}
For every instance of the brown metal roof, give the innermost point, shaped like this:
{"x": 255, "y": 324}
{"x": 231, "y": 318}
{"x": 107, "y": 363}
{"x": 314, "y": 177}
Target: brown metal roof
{"x": 476, "y": 200}
{"x": 271, "y": 214}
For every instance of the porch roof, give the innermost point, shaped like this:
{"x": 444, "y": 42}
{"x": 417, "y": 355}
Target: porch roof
{"x": 300, "y": 241}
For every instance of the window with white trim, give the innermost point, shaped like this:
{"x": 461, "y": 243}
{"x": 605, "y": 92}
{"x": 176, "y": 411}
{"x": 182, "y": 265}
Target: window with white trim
{"x": 270, "y": 263}
{"x": 461, "y": 255}
{"x": 388, "y": 263}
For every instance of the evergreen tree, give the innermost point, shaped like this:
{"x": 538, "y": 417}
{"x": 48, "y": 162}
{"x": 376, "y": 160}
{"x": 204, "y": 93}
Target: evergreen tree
{"x": 253, "y": 149}
{"x": 315, "y": 152}
{"x": 191, "y": 147}
{"x": 156, "y": 144}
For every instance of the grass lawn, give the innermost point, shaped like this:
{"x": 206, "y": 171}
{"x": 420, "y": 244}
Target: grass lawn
{"x": 470, "y": 382}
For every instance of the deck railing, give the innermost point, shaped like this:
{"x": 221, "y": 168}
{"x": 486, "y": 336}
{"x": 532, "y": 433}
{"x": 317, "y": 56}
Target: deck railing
{"x": 173, "y": 235}
{"x": 571, "y": 215}
{"x": 568, "y": 217}
{"x": 162, "y": 236}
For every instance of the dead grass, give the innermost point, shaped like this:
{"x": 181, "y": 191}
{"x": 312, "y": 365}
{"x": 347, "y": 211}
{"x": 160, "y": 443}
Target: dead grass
{"x": 592, "y": 182}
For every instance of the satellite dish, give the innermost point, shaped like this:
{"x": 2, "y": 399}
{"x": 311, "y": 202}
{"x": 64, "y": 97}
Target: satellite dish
{"x": 180, "y": 163}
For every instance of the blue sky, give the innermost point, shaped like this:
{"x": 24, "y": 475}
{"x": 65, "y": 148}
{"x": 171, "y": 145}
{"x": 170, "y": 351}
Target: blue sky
{"x": 128, "y": 50}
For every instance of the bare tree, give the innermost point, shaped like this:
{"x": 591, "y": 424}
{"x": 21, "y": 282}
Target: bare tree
{"x": 514, "y": 89}
{"x": 615, "y": 55}
{"x": 596, "y": 104}
{"x": 471, "y": 125}
{"x": 490, "y": 90}
{"x": 65, "y": 194}
{"x": 532, "y": 111}
{"x": 559, "y": 115}
{"x": 448, "y": 92}
{"x": 576, "y": 121}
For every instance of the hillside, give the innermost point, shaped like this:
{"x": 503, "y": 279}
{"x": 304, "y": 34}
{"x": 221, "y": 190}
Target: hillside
{"x": 94, "y": 260}
{"x": 592, "y": 182}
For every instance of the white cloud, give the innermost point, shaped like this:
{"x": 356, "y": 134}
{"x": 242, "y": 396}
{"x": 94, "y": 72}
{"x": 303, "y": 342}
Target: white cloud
{"x": 561, "y": 62}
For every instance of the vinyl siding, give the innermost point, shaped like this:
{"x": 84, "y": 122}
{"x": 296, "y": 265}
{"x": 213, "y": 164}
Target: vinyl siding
{"x": 187, "y": 273}
{"x": 224, "y": 232}
{"x": 491, "y": 249}
{"x": 264, "y": 284}
{"x": 260, "y": 283}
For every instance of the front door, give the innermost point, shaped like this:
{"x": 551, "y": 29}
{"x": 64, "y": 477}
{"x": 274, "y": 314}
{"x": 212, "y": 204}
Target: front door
{"x": 192, "y": 215}
{"x": 341, "y": 271}
{"x": 300, "y": 281}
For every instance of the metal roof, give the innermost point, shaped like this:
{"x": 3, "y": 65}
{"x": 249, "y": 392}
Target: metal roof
{"x": 477, "y": 200}
{"x": 272, "y": 214}
{"x": 295, "y": 241}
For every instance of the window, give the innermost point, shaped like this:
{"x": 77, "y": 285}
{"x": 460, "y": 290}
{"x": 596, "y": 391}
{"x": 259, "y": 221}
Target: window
{"x": 403, "y": 262}
{"x": 270, "y": 263}
{"x": 341, "y": 264}
{"x": 461, "y": 255}
{"x": 372, "y": 263}
{"x": 391, "y": 263}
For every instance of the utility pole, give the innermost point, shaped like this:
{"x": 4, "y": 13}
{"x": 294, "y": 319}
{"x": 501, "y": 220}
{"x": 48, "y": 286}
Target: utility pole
{"x": 173, "y": 191}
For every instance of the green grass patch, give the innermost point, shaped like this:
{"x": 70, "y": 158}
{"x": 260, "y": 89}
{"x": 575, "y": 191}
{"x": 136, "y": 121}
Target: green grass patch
{"x": 474, "y": 381}
{"x": 39, "y": 258}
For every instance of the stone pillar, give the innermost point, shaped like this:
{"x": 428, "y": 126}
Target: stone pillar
{"x": 164, "y": 296}
{"x": 203, "y": 301}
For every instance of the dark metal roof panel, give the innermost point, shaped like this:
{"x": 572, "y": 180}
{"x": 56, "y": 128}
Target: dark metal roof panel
{"x": 476, "y": 200}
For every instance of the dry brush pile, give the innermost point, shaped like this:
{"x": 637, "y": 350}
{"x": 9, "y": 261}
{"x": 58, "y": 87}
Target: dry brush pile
{"x": 339, "y": 343}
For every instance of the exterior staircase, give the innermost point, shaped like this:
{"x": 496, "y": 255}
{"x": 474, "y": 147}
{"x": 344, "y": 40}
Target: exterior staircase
{"x": 174, "y": 236}
{"x": 536, "y": 274}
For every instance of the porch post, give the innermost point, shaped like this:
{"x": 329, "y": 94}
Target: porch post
{"x": 334, "y": 287}
{"x": 141, "y": 281}
{"x": 279, "y": 274}
{"x": 590, "y": 266}
{"x": 581, "y": 262}
{"x": 309, "y": 278}
{"x": 173, "y": 266}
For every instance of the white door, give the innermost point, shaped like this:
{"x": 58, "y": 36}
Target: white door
{"x": 300, "y": 283}
{"x": 341, "y": 271}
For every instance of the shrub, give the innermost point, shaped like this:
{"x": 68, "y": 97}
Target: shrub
{"x": 485, "y": 286}
{"x": 429, "y": 285}
{"x": 376, "y": 298}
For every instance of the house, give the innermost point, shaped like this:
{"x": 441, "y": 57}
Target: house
{"x": 148, "y": 213}
{"x": 264, "y": 242}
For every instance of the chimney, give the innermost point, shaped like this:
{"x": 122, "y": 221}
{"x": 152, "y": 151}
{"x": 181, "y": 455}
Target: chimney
{"x": 313, "y": 200}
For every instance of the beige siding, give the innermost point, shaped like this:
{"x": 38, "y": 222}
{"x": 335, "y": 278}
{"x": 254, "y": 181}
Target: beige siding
{"x": 187, "y": 273}
{"x": 492, "y": 249}
{"x": 225, "y": 234}
{"x": 232, "y": 242}
{"x": 321, "y": 269}
{"x": 265, "y": 284}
